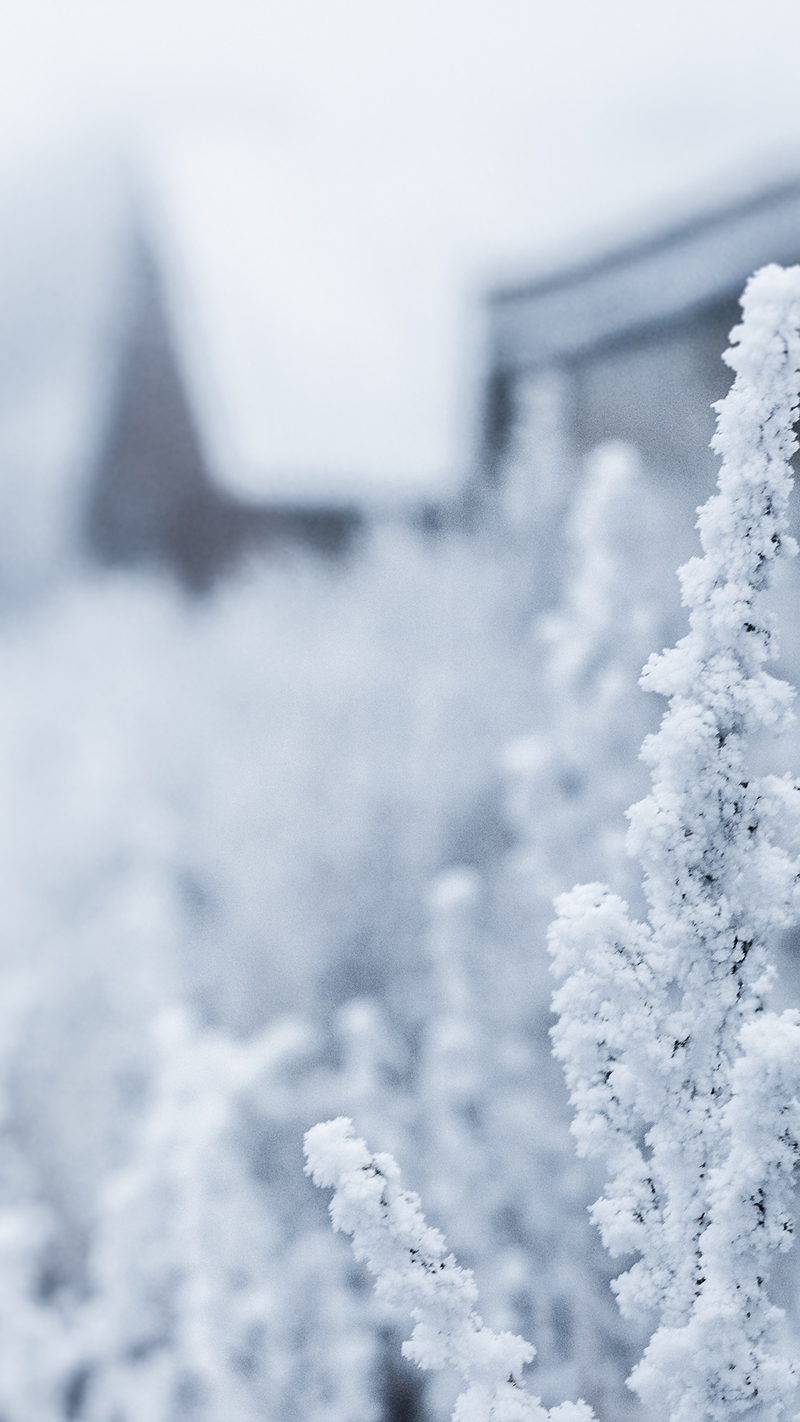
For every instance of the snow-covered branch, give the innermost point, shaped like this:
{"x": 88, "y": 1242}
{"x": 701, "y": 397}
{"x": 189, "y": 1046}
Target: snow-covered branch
{"x": 415, "y": 1273}
{"x": 679, "y": 1077}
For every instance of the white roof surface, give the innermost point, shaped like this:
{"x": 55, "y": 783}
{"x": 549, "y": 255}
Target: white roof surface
{"x": 309, "y": 374}
{"x": 427, "y": 143}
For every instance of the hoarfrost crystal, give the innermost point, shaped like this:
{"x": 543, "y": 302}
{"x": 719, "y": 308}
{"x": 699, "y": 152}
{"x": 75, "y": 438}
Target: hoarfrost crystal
{"x": 679, "y": 1077}
{"x": 415, "y": 1273}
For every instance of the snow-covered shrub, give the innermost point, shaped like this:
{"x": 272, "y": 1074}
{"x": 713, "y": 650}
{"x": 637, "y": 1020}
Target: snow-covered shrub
{"x": 493, "y": 1160}
{"x": 413, "y": 1272}
{"x": 486, "y": 1133}
{"x": 682, "y": 1081}
{"x": 211, "y": 1296}
{"x": 228, "y": 803}
{"x": 188, "y": 787}
{"x": 491, "y": 1152}
{"x": 349, "y": 726}
{"x": 570, "y": 779}
{"x": 36, "y": 1341}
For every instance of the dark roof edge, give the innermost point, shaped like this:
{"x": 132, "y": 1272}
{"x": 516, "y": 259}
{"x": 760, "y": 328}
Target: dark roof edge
{"x": 642, "y": 248}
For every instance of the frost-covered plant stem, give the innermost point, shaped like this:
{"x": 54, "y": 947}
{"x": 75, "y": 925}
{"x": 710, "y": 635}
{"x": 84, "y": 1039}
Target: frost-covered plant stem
{"x": 415, "y": 1273}
{"x": 679, "y": 1077}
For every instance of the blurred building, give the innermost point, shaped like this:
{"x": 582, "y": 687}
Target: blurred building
{"x": 169, "y": 398}
{"x": 152, "y": 497}
{"x": 625, "y": 345}
{"x": 179, "y": 402}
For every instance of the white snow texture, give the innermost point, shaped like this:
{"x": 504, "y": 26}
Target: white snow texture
{"x": 415, "y": 1273}
{"x": 680, "y": 1078}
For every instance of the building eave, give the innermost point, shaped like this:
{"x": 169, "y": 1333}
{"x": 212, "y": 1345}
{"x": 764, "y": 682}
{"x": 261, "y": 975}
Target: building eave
{"x": 644, "y": 284}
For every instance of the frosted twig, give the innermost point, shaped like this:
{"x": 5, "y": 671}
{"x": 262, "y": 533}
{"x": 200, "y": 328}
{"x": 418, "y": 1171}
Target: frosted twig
{"x": 415, "y": 1273}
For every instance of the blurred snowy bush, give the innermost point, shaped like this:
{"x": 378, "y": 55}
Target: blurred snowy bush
{"x": 231, "y": 810}
{"x": 235, "y": 804}
{"x": 682, "y": 1083}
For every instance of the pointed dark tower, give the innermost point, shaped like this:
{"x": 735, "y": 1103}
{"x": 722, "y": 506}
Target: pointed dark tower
{"x": 152, "y": 499}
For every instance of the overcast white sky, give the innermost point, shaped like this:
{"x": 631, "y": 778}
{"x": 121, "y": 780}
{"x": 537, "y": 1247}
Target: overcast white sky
{"x": 414, "y": 148}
